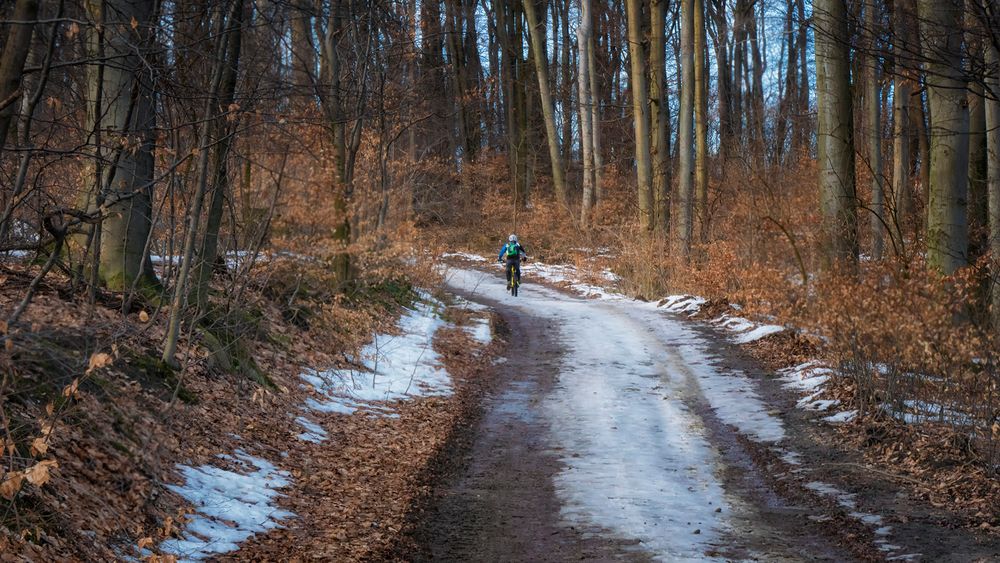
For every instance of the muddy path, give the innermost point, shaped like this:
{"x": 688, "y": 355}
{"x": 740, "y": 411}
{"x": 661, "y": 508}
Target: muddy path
{"x": 608, "y": 437}
{"x": 496, "y": 500}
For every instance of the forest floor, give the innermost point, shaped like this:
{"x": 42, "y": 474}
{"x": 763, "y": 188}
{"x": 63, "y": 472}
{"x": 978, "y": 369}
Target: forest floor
{"x": 569, "y": 423}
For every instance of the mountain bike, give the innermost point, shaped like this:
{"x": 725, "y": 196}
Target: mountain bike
{"x": 514, "y": 282}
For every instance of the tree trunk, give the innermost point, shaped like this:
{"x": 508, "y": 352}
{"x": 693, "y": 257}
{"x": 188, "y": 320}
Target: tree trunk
{"x": 873, "y": 126}
{"x": 303, "y": 49}
{"x": 658, "y": 114}
{"x": 993, "y": 172}
{"x": 978, "y": 212}
{"x": 567, "y": 80}
{"x": 205, "y": 136}
{"x": 455, "y": 50}
{"x": 682, "y": 216}
{"x": 725, "y": 78}
{"x": 595, "y": 117}
{"x": 947, "y": 225}
{"x": 835, "y": 136}
{"x": 338, "y": 123}
{"x": 640, "y": 114}
{"x": 922, "y": 119}
{"x": 15, "y": 52}
{"x": 474, "y": 82}
{"x": 803, "y": 125}
{"x": 902, "y": 86}
{"x": 537, "y": 34}
{"x": 584, "y": 34}
{"x": 209, "y": 248}
{"x": 701, "y": 120}
{"x": 757, "y": 89}
{"x": 124, "y": 193}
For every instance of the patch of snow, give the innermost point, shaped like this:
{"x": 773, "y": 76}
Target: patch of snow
{"x": 313, "y": 432}
{"x": 481, "y": 332}
{"x": 811, "y": 403}
{"x": 734, "y": 324}
{"x": 805, "y": 377}
{"x": 465, "y": 256}
{"x": 231, "y": 506}
{"x": 823, "y": 404}
{"x": 758, "y": 333}
{"x": 918, "y": 412}
{"x": 394, "y": 368}
{"x": 791, "y": 458}
{"x": 905, "y": 557}
{"x": 870, "y": 519}
{"x": 822, "y": 488}
{"x": 732, "y": 396}
{"x": 682, "y": 303}
{"x": 841, "y": 417}
{"x": 337, "y": 405}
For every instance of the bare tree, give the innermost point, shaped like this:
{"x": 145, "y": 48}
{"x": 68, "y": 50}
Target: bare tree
{"x": 15, "y": 52}
{"x": 685, "y": 142}
{"x": 947, "y": 223}
{"x": 835, "y": 134}
{"x": 537, "y": 34}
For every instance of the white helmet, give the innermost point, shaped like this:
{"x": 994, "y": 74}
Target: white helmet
{"x": 512, "y": 238}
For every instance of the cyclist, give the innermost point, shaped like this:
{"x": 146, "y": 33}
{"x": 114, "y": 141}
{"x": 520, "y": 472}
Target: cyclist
{"x": 513, "y": 253}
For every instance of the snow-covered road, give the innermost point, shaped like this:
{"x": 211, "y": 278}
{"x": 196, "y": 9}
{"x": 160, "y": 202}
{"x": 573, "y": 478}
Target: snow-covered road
{"x": 637, "y": 461}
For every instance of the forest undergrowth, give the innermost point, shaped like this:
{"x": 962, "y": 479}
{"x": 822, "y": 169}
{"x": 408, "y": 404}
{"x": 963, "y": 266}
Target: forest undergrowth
{"x": 93, "y": 422}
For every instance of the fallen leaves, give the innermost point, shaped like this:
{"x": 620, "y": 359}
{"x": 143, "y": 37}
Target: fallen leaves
{"x": 11, "y": 484}
{"x": 39, "y": 474}
{"x": 39, "y": 447}
{"x": 99, "y": 360}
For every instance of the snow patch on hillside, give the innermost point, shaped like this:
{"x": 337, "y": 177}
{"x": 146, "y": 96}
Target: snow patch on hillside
{"x": 394, "y": 367}
{"x": 232, "y": 505}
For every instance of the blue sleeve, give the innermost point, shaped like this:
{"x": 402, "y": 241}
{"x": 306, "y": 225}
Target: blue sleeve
{"x": 502, "y": 248}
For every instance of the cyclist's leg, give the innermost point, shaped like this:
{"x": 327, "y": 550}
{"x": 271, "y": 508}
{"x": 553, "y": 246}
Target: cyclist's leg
{"x": 517, "y": 271}
{"x": 508, "y": 272}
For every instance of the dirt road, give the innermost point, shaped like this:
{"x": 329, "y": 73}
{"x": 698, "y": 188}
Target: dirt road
{"x": 623, "y": 433}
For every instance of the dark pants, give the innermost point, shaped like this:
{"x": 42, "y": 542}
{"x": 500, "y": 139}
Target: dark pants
{"x": 516, "y": 262}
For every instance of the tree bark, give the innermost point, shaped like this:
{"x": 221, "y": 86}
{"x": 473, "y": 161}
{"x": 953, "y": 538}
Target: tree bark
{"x": 947, "y": 224}
{"x": 701, "y": 120}
{"x": 873, "y": 126}
{"x": 978, "y": 209}
{"x": 640, "y": 114}
{"x": 658, "y": 114}
{"x": 15, "y": 52}
{"x": 905, "y": 77}
{"x": 993, "y": 172}
{"x": 205, "y": 135}
{"x": 303, "y": 52}
{"x": 803, "y": 125}
{"x": 537, "y": 34}
{"x": 124, "y": 194}
{"x": 595, "y": 116}
{"x": 682, "y": 216}
{"x": 835, "y": 136}
{"x": 584, "y": 34}
{"x": 209, "y": 248}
